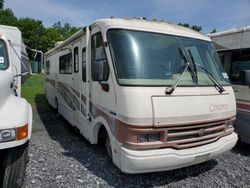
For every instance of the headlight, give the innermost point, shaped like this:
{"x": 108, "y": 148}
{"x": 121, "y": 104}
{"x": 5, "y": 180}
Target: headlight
{"x": 150, "y": 137}
{"x": 7, "y": 135}
{"x": 14, "y": 134}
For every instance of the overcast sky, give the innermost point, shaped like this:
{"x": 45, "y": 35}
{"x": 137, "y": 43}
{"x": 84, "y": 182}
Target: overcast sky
{"x": 219, "y": 14}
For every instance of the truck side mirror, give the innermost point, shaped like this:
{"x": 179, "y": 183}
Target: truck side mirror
{"x": 99, "y": 70}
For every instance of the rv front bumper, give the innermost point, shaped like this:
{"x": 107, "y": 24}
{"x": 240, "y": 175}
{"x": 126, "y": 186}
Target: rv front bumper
{"x": 168, "y": 159}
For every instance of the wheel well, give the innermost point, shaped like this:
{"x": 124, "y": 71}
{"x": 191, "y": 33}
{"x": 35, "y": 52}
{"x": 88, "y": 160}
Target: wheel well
{"x": 102, "y": 133}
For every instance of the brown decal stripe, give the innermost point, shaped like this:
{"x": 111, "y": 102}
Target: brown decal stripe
{"x": 83, "y": 99}
{"x": 66, "y": 95}
{"x": 179, "y": 137}
{"x": 69, "y": 97}
{"x": 243, "y": 106}
{"x": 51, "y": 81}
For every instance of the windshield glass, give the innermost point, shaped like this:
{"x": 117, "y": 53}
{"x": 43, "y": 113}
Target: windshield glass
{"x": 153, "y": 59}
{"x": 3, "y": 56}
{"x": 204, "y": 55}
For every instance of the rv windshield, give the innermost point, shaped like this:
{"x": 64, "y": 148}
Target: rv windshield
{"x": 3, "y": 56}
{"x": 153, "y": 59}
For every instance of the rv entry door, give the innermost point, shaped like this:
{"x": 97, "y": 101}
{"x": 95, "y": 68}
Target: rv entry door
{"x": 76, "y": 85}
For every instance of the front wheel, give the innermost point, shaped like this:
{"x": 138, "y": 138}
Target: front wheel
{"x": 108, "y": 146}
{"x": 12, "y": 166}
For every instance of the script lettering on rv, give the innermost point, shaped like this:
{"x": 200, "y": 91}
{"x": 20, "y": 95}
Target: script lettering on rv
{"x": 218, "y": 107}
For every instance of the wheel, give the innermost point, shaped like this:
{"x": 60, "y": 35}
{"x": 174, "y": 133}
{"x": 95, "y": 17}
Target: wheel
{"x": 108, "y": 146}
{"x": 56, "y": 105}
{"x": 104, "y": 140}
{"x": 12, "y": 166}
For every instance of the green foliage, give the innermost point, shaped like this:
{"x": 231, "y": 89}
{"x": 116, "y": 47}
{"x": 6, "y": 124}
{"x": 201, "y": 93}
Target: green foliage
{"x": 7, "y": 17}
{"x": 213, "y": 31}
{"x": 194, "y": 27}
{"x": 35, "y": 35}
{"x": 49, "y": 38}
{"x": 1, "y": 4}
{"x": 65, "y": 31}
{"x": 31, "y": 30}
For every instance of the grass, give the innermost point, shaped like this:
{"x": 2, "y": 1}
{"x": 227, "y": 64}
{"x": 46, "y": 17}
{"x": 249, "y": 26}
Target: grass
{"x": 33, "y": 90}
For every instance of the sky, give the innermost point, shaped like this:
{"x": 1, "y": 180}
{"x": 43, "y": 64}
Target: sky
{"x": 209, "y": 14}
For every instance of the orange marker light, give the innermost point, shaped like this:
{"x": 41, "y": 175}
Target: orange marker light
{"x": 22, "y": 132}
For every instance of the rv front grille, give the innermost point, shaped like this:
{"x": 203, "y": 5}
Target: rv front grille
{"x": 187, "y": 136}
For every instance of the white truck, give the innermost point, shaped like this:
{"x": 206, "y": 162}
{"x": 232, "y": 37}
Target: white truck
{"x": 153, "y": 92}
{"x": 15, "y": 112}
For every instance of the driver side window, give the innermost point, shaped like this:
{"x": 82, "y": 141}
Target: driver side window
{"x": 99, "y": 63}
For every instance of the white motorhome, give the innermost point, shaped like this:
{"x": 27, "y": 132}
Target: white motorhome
{"x": 233, "y": 47}
{"x": 155, "y": 92}
{"x": 15, "y": 112}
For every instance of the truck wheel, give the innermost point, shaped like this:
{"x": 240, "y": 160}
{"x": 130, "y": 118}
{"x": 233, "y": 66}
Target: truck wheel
{"x": 12, "y": 166}
{"x": 56, "y": 105}
{"x": 108, "y": 146}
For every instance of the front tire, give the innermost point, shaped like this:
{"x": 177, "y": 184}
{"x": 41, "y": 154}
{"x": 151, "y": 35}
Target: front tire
{"x": 12, "y": 166}
{"x": 108, "y": 146}
{"x": 56, "y": 105}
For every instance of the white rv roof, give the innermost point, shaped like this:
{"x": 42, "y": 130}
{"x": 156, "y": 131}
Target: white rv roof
{"x": 136, "y": 24}
{"x": 150, "y": 26}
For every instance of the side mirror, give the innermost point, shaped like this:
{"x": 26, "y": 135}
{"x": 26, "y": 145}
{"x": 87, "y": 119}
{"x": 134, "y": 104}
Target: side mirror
{"x": 100, "y": 71}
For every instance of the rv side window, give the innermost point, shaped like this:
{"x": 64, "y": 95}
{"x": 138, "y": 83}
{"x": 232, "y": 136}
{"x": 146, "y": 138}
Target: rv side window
{"x": 99, "y": 64}
{"x": 3, "y": 56}
{"x": 84, "y": 64}
{"x": 65, "y": 64}
{"x": 47, "y": 68}
{"x": 76, "y": 59}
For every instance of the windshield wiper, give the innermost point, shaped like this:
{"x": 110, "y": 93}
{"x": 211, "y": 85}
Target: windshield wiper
{"x": 217, "y": 85}
{"x": 169, "y": 90}
{"x": 193, "y": 70}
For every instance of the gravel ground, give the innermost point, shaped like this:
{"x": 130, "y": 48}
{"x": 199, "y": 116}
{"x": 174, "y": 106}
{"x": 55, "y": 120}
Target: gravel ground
{"x": 60, "y": 157}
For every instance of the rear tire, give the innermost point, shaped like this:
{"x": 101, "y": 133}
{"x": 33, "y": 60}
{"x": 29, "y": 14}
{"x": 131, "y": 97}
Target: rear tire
{"x": 12, "y": 166}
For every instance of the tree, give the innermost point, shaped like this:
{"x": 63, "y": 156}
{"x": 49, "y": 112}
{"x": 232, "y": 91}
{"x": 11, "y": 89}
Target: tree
{"x": 32, "y": 30}
{"x": 35, "y": 35}
{"x": 8, "y": 17}
{"x": 1, "y": 4}
{"x": 213, "y": 31}
{"x": 49, "y": 38}
{"x": 184, "y": 25}
{"x": 66, "y": 30}
{"x": 194, "y": 27}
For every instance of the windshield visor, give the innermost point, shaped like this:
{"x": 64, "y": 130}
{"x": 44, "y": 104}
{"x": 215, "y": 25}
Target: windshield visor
{"x": 153, "y": 59}
{"x": 3, "y": 56}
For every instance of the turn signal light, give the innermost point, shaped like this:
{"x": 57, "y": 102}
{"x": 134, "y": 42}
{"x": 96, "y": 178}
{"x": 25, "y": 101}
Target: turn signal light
{"x": 22, "y": 132}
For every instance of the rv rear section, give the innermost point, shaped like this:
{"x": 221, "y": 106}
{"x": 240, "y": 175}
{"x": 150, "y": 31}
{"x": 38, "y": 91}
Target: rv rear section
{"x": 15, "y": 112}
{"x": 153, "y": 92}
